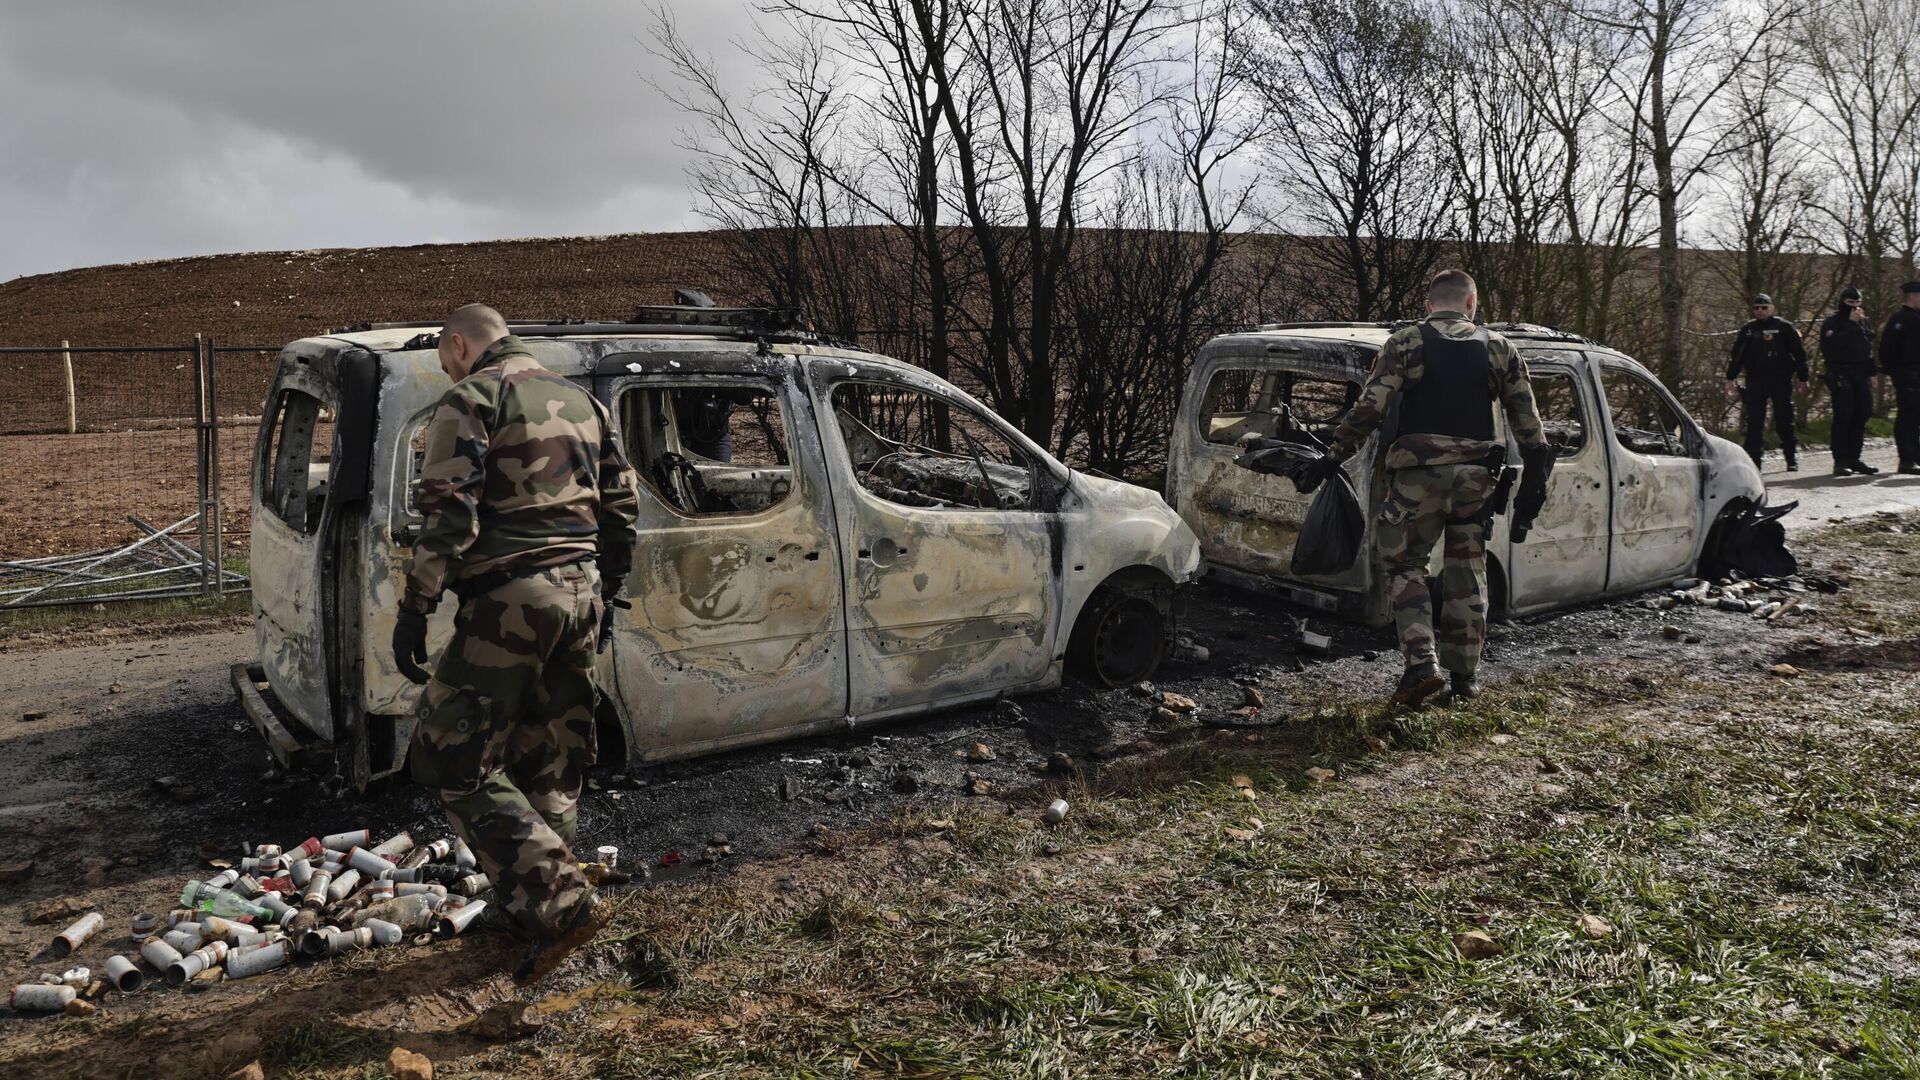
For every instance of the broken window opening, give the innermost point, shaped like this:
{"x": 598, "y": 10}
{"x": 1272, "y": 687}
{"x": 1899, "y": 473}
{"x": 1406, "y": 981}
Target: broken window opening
{"x": 1244, "y": 403}
{"x": 300, "y": 469}
{"x": 893, "y": 434}
{"x": 1644, "y": 421}
{"x": 709, "y": 447}
{"x": 1562, "y": 416}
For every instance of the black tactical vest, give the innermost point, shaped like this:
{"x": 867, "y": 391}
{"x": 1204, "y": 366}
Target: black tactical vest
{"x": 1455, "y": 393}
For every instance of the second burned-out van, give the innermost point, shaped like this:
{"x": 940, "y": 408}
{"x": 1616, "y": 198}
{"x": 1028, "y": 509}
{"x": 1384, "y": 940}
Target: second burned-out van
{"x": 1640, "y": 493}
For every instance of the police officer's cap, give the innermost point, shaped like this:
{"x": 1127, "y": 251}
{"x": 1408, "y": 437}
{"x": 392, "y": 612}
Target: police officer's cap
{"x": 1849, "y": 293}
{"x": 1910, "y": 287}
{"x": 1762, "y": 298}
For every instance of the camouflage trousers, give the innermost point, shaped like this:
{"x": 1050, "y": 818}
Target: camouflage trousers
{"x": 506, "y": 734}
{"x": 1422, "y": 506}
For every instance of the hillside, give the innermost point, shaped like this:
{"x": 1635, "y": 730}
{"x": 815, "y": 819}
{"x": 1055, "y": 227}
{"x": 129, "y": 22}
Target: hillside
{"x": 276, "y": 296}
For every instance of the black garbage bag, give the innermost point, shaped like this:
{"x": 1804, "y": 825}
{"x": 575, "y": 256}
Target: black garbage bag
{"x": 1753, "y": 543}
{"x": 1331, "y": 536}
{"x": 1279, "y": 457}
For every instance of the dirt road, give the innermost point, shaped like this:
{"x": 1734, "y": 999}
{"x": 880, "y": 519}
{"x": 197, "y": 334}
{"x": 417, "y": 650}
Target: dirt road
{"x": 86, "y": 731}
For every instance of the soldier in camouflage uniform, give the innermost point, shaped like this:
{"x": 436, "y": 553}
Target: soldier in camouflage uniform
{"x": 1444, "y": 375}
{"x": 530, "y": 508}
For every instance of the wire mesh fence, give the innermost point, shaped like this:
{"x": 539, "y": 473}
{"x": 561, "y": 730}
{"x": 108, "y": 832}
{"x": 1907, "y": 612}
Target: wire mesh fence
{"x": 111, "y": 459}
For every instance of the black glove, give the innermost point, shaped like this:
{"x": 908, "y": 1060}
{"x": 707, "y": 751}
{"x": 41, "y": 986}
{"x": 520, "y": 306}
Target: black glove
{"x": 609, "y": 600}
{"x": 410, "y": 645}
{"x": 1537, "y": 462}
{"x": 1316, "y": 472}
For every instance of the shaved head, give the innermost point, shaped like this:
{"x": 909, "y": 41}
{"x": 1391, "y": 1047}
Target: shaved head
{"x": 469, "y": 333}
{"x": 1450, "y": 289}
{"x": 477, "y": 323}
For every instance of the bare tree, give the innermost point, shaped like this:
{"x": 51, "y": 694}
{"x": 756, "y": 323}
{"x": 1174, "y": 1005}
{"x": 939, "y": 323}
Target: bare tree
{"x": 1677, "y": 60}
{"x": 1769, "y": 184}
{"x": 1862, "y": 77}
{"x": 1351, "y": 84}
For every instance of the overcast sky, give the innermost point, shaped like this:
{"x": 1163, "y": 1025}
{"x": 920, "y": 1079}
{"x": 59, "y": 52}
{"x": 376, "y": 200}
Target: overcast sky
{"x": 141, "y": 130}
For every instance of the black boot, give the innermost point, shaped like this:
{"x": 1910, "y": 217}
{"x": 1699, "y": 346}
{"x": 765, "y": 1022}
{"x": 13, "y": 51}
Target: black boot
{"x": 1793, "y": 463}
{"x": 1908, "y": 468}
{"x": 583, "y": 924}
{"x": 1864, "y": 469}
{"x": 1420, "y": 682}
{"x": 1465, "y": 687}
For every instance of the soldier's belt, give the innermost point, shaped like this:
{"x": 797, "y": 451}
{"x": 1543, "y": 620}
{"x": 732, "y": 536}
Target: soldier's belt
{"x": 468, "y": 588}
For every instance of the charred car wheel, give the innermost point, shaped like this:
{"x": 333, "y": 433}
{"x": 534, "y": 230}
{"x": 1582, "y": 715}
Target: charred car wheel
{"x": 1121, "y": 636}
{"x": 1750, "y": 541}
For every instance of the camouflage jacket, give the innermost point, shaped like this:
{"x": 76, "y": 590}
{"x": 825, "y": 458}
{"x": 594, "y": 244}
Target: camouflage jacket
{"x": 522, "y": 471}
{"x": 1399, "y": 366}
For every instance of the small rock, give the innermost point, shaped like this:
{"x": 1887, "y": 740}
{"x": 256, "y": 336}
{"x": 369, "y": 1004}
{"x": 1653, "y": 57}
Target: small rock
{"x": 1007, "y": 712}
{"x": 1549, "y": 766}
{"x": 1168, "y": 717}
{"x": 1693, "y": 639}
{"x": 906, "y": 783}
{"x": 1252, "y": 697}
{"x": 1247, "y": 712}
{"x": 29, "y": 717}
{"x": 1672, "y": 632}
{"x": 1551, "y": 791}
{"x": 80, "y": 1007}
{"x": 1179, "y": 703}
{"x": 1784, "y": 671}
{"x": 1594, "y": 926}
{"x": 1145, "y": 954}
{"x": 116, "y": 688}
{"x": 93, "y": 871}
{"x": 404, "y": 1064}
{"x": 719, "y": 839}
{"x": 1320, "y": 776}
{"x": 251, "y": 1071}
{"x": 1375, "y": 743}
{"x": 1059, "y": 763}
{"x": 1370, "y": 655}
{"x": 1476, "y": 945}
{"x": 891, "y": 917}
{"x": 789, "y": 789}
{"x": 14, "y": 873}
{"x": 1243, "y": 785}
{"x": 56, "y": 910}
{"x": 1500, "y": 740}
{"x": 977, "y": 785}
{"x": 1143, "y": 689}
{"x": 981, "y": 753}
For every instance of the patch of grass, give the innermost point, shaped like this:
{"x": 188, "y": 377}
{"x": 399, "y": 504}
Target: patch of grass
{"x": 88, "y": 616}
{"x": 321, "y": 1045}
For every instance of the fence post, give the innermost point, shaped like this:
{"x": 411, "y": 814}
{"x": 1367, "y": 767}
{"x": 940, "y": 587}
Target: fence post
{"x": 73, "y": 411}
{"x": 200, "y": 442}
{"x": 213, "y": 469}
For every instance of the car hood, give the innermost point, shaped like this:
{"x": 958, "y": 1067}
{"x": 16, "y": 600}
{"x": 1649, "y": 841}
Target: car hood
{"x": 1179, "y": 548}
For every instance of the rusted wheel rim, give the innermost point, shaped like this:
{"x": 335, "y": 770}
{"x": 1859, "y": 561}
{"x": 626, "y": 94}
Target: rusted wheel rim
{"x": 1128, "y": 641}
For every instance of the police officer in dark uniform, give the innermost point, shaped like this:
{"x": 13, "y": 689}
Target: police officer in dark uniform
{"x": 1900, "y": 362}
{"x": 1846, "y": 345}
{"x": 1770, "y": 352}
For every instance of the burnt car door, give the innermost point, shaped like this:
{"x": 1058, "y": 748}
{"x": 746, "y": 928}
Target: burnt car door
{"x": 736, "y": 634}
{"x": 1564, "y": 558}
{"x": 1657, "y": 479}
{"x": 949, "y": 538}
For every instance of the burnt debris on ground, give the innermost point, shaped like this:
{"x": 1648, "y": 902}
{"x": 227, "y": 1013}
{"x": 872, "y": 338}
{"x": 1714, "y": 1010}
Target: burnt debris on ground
{"x": 106, "y": 830}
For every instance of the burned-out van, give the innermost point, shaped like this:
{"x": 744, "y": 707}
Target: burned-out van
{"x": 1640, "y": 495}
{"x": 828, "y": 539}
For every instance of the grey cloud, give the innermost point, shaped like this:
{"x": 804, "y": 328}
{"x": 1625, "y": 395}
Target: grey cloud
{"x": 141, "y": 130}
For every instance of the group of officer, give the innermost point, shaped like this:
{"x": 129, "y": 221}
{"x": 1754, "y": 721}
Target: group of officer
{"x": 1768, "y": 351}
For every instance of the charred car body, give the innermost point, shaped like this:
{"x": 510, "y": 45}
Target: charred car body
{"x": 1639, "y": 493}
{"x": 828, "y": 538}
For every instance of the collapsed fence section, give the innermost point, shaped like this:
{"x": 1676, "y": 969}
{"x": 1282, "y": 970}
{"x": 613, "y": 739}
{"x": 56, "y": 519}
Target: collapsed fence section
{"x": 119, "y": 475}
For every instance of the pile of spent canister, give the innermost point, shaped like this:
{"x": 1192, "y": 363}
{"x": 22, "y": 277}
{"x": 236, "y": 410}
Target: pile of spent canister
{"x": 323, "y": 897}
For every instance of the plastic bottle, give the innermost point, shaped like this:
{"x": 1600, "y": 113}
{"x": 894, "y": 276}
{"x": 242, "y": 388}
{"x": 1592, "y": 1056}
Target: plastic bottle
{"x": 224, "y": 902}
